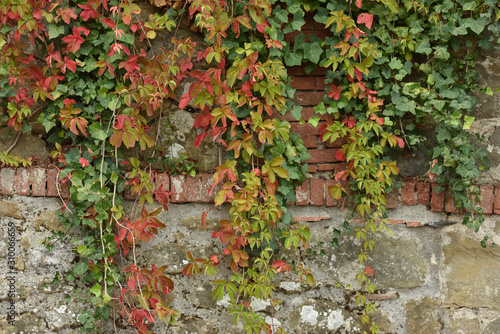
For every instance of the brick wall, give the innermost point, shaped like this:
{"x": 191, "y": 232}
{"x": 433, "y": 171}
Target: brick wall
{"x": 40, "y": 182}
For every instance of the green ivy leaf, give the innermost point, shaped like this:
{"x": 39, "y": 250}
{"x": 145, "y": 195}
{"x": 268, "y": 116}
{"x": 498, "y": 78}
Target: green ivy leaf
{"x": 55, "y": 30}
{"x": 80, "y": 268}
{"x": 395, "y": 64}
{"x": 96, "y": 289}
{"x": 313, "y": 52}
{"x": 424, "y": 47}
{"x": 293, "y": 59}
{"x": 477, "y": 25}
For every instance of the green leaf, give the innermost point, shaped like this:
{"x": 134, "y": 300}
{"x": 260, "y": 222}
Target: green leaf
{"x": 280, "y": 15}
{"x": 55, "y": 30}
{"x": 477, "y": 25}
{"x": 96, "y": 132}
{"x": 296, "y": 112}
{"x": 96, "y": 289}
{"x": 313, "y": 52}
{"x": 293, "y": 59}
{"x": 424, "y": 47}
{"x": 80, "y": 268}
{"x": 298, "y": 20}
{"x": 468, "y": 122}
{"x": 395, "y": 64}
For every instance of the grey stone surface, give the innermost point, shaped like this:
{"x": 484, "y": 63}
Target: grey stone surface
{"x": 493, "y": 327}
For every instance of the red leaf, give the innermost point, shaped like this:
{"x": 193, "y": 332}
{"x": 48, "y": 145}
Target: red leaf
{"x": 200, "y": 138}
{"x": 204, "y": 219}
{"x": 278, "y": 263}
{"x": 401, "y": 143}
{"x": 84, "y": 162}
{"x": 109, "y": 22}
{"x": 366, "y": 18}
{"x": 359, "y": 3}
{"x": 335, "y": 92}
{"x": 339, "y": 155}
{"x": 88, "y": 12}
{"x": 131, "y": 282}
{"x": 184, "y": 101}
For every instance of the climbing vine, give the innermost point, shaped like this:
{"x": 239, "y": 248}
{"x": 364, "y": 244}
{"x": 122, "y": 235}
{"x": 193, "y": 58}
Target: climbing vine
{"x": 392, "y": 67}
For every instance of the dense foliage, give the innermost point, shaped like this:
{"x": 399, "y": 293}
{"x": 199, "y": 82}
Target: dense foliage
{"x": 391, "y": 67}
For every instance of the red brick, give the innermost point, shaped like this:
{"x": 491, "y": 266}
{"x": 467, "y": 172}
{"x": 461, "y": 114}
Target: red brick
{"x": 336, "y": 143}
{"x": 450, "y": 204}
{"x": 309, "y": 24}
{"x": 437, "y": 199}
{"x": 64, "y": 187}
{"x": 178, "y": 186}
{"x": 206, "y": 182}
{"x": 304, "y": 130}
{"x": 408, "y": 193}
{"x": 395, "y": 221}
{"x": 330, "y": 201}
{"x": 52, "y": 183}
{"x": 23, "y": 182}
{"x": 303, "y": 83}
{"x": 497, "y": 200}
{"x": 302, "y": 194}
{"x": 38, "y": 181}
{"x": 487, "y": 199}
{"x": 423, "y": 193}
{"x": 320, "y": 83}
{"x": 162, "y": 180}
{"x": 7, "y": 181}
{"x": 308, "y": 98}
{"x": 296, "y": 70}
{"x": 312, "y": 169}
{"x": 322, "y": 155}
{"x": 391, "y": 199}
{"x": 193, "y": 188}
{"x": 340, "y": 167}
{"x": 326, "y": 167}
{"x": 310, "y": 141}
{"x": 317, "y": 187}
{"x": 413, "y": 224}
{"x": 319, "y": 26}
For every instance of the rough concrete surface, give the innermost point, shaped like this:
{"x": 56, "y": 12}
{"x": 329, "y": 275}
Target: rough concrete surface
{"x": 428, "y": 280}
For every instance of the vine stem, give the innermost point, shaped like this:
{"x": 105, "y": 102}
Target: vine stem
{"x": 15, "y": 141}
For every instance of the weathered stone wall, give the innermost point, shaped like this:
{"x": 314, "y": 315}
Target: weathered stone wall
{"x": 432, "y": 275}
